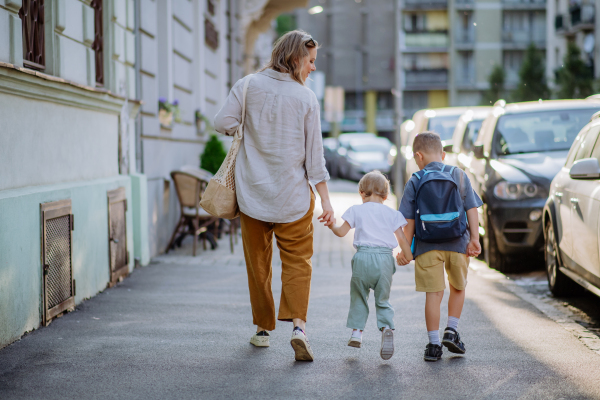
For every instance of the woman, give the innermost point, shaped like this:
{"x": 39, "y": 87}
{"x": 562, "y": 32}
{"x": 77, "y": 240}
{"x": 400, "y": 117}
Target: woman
{"x": 282, "y": 151}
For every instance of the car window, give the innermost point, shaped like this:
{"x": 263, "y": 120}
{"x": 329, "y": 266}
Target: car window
{"x": 586, "y": 145}
{"x": 596, "y": 151}
{"x": 443, "y": 126}
{"x": 539, "y": 131}
{"x": 471, "y": 132}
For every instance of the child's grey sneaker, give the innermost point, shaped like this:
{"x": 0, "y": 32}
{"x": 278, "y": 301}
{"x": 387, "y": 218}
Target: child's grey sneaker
{"x": 452, "y": 341}
{"x": 387, "y": 344}
{"x": 301, "y": 346}
{"x": 433, "y": 352}
{"x": 355, "y": 342}
{"x": 260, "y": 339}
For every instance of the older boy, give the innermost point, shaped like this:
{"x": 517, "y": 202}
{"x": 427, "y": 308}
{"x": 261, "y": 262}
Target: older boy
{"x": 442, "y": 237}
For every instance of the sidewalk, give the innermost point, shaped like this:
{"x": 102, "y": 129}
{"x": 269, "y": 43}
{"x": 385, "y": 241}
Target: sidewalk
{"x": 180, "y": 327}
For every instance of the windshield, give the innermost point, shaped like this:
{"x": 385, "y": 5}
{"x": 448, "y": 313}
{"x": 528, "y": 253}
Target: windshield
{"x": 369, "y": 147}
{"x": 443, "y": 126}
{"x": 471, "y": 132}
{"x": 539, "y": 131}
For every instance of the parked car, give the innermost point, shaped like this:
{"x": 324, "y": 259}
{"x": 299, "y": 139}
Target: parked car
{"x": 440, "y": 120}
{"x": 330, "y": 146}
{"x": 571, "y": 215}
{"x": 364, "y": 155}
{"x": 519, "y": 150}
{"x": 466, "y": 132}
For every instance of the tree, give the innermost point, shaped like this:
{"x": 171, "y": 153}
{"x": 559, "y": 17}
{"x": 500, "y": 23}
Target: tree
{"x": 532, "y": 79}
{"x": 284, "y": 24}
{"x": 496, "y": 90}
{"x": 213, "y": 156}
{"x": 574, "y": 78}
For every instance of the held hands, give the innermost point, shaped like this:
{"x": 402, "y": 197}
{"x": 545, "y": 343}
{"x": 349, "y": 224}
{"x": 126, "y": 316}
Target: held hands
{"x": 401, "y": 259}
{"x": 473, "y": 248}
{"x": 327, "y": 216}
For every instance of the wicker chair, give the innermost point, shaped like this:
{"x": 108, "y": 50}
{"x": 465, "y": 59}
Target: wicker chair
{"x": 231, "y": 225}
{"x": 193, "y": 220}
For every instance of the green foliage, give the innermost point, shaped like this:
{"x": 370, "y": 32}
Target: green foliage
{"x": 213, "y": 156}
{"x": 532, "y": 77}
{"x": 574, "y": 79}
{"x": 285, "y": 23}
{"x": 496, "y": 90}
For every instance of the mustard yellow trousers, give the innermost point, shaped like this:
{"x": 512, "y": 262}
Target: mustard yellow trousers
{"x": 295, "y": 242}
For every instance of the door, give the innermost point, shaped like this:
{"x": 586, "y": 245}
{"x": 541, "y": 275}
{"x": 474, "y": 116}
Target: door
{"x": 585, "y": 200}
{"x": 117, "y": 235}
{"x": 564, "y": 196}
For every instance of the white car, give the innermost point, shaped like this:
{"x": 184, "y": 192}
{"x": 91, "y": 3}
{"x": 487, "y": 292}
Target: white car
{"x": 571, "y": 217}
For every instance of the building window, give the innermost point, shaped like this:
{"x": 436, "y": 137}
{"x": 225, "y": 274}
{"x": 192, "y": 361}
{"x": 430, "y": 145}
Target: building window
{"x": 211, "y": 35}
{"x": 210, "y": 5}
{"x": 98, "y": 45}
{"x": 32, "y": 17}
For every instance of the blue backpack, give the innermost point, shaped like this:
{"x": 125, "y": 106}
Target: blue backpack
{"x": 440, "y": 213}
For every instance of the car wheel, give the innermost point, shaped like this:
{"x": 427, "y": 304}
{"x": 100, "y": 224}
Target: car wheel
{"x": 558, "y": 283}
{"x": 493, "y": 257}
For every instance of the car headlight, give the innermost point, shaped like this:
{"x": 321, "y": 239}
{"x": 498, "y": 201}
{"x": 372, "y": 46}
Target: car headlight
{"x": 517, "y": 191}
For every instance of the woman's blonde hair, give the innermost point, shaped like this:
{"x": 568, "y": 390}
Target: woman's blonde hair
{"x": 374, "y": 183}
{"x": 288, "y": 52}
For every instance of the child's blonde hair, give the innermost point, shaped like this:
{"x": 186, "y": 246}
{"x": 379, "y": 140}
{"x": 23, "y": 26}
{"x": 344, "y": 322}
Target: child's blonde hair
{"x": 374, "y": 183}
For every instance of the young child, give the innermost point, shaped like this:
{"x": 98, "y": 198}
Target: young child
{"x": 443, "y": 238}
{"x": 373, "y": 265}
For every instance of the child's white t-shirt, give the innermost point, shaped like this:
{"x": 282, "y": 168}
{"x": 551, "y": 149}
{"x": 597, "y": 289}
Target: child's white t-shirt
{"x": 374, "y": 224}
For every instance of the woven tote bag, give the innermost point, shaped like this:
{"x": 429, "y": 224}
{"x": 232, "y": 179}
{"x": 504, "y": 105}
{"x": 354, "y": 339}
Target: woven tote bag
{"x": 219, "y": 198}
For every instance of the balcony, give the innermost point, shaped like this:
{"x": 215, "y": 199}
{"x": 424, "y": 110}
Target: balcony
{"x": 464, "y": 4}
{"x": 560, "y": 22}
{"x": 426, "y": 41}
{"x": 425, "y": 5}
{"x": 465, "y": 78}
{"x": 522, "y": 39}
{"x": 464, "y": 37}
{"x": 426, "y": 78}
{"x": 524, "y": 4}
{"x": 582, "y": 16}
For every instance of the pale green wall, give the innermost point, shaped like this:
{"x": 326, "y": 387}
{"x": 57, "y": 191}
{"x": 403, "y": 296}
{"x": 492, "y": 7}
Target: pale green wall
{"x": 20, "y": 258}
{"x": 139, "y": 196}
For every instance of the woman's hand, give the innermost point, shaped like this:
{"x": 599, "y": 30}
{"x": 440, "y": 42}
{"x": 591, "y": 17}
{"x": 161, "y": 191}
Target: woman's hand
{"x": 327, "y": 216}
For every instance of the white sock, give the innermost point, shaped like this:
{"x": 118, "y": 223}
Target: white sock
{"x": 434, "y": 337}
{"x": 356, "y": 333}
{"x": 453, "y": 322}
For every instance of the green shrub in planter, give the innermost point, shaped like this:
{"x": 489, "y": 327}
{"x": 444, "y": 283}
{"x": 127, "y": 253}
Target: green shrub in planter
{"x": 213, "y": 156}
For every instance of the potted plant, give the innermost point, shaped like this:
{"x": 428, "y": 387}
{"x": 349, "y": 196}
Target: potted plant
{"x": 176, "y": 111}
{"x": 165, "y": 112}
{"x": 202, "y": 123}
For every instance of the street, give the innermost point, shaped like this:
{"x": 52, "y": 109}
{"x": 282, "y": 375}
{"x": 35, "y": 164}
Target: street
{"x": 180, "y": 328}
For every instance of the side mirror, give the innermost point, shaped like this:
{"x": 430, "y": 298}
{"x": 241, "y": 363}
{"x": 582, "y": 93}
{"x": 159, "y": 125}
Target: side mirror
{"x": 448, "y": 148}
{"x": 478, "y": 151}
{"x": 587, "y": 168}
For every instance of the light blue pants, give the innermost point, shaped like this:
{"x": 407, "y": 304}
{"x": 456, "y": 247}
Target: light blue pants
{"x": 372, "y": 268}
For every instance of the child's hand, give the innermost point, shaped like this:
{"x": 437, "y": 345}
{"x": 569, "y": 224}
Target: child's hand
{"x": 473, "y": 248}
{"x": 401, "y": 259}
{"x": 332, "y": 225}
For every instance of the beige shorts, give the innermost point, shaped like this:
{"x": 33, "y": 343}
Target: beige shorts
{"x": 429, "y": 270}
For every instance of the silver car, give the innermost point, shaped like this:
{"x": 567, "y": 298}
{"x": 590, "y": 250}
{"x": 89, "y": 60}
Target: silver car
{"x": 571, "y": 217}
{"x": 364, "y": 155}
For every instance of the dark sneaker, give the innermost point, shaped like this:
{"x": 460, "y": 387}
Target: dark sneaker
{"x": 260, "y": 339}
{"x": 452, "y": 341}
{"x": 433, "y": 352}
{"x": 301, "y": 346}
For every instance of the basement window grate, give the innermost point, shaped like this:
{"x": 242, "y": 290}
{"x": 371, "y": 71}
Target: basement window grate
{"x": 57, "y": 259}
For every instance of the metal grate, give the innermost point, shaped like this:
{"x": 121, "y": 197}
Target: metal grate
{"x": 58, "y": 260}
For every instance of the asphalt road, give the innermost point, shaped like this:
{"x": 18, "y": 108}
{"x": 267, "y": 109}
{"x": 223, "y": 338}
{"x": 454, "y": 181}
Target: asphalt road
{"x": 180, "y": 327}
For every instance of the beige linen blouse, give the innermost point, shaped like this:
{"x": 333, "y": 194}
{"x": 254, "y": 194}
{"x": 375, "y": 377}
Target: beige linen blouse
{"x": 282, "y": 149}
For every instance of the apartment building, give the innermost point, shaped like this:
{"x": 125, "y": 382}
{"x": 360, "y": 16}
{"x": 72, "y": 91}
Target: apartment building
{"x": 449, "y": 47}
{"x": 357, "y": 39}
{"x": 572, "y": 21}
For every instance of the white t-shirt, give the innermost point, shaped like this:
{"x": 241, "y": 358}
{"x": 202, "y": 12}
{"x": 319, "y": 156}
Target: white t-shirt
{"x": 374, "y": 224}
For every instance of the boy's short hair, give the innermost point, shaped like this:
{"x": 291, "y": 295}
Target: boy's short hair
{"x": 374, "y": 183}
{"x": 428, "y": 142}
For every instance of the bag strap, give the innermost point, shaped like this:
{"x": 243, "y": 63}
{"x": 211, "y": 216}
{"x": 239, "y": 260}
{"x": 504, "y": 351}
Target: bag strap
{"x": 240, "y": 131}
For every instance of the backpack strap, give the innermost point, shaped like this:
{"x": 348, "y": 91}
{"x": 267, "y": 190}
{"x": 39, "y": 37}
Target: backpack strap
{"x": 452, "y": 170}
{"x": 443, "y": 167}
{"x": 419, "y": 176}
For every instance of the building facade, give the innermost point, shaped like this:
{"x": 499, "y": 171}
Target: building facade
{"x": 572, "y": 21}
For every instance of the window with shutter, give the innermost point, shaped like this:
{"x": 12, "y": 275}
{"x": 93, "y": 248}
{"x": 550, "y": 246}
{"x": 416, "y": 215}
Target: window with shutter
{"x": 32, "y": 17}
{"x": 98, "y": 45}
